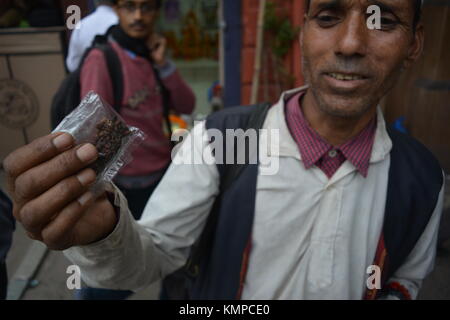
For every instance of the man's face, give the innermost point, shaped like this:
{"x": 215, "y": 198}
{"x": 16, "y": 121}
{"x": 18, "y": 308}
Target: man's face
{"x": 348, "y": 66}
{"x": 137, "y": 17}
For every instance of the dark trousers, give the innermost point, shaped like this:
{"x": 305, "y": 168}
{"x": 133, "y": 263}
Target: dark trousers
{"x": 137, "y": 200}
{"x": 174, "y": 285}
{"x": 3, "y": 281}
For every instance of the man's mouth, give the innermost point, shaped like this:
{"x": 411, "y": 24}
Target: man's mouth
{"x": 138, "y": 27}
{"x": 345, "y": 77}
{"x": 345, "y": 83}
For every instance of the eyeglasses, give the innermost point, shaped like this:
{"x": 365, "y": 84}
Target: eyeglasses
{"x": 146, "y": 7}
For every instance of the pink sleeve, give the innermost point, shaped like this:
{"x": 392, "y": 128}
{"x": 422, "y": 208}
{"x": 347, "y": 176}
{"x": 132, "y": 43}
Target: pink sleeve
{"x": 95, "y": 77}
{"x": 181, "y": 96}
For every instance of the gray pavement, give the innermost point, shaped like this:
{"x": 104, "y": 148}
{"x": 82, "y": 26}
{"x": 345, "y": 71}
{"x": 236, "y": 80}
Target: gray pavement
{"x": 51, "y": 277}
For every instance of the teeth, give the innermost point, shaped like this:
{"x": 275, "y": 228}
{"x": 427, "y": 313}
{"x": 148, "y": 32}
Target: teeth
{"x": 345, "y": 77}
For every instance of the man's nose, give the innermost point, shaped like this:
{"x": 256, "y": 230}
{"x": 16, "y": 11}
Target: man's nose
{"x": 353, "y": 37}
{"x": 138, "y": 13}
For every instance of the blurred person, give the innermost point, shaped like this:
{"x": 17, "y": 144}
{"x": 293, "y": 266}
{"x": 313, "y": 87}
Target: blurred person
{"x": 7, "y": 226}
{"x": 97, "y": 23}
{"x": 350, "y": 194}
{"x": 142, "y": 54}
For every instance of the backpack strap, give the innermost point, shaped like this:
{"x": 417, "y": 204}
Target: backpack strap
{"x": 415, "y": 181}
{"x": 165, "y": 94}
{"x": 114, "y": 66}
{"x": 115, "y": 73}
{"x": 228, "y": 174}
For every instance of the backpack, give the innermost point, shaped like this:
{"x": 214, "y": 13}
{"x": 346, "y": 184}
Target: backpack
{"x": 67, "y": 98}
{"x": 228, "y": 174}
{"x": 177, "y": 285}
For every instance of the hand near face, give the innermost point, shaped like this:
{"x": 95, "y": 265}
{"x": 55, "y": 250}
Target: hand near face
{"x": 48, "y": 181}
{"x": 157, "y": 45}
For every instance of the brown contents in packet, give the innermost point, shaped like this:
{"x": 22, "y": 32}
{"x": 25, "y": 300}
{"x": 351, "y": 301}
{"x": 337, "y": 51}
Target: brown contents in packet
{"x": 108, "y": 141}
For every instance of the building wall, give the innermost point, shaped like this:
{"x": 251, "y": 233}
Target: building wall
{"x": 422, "y": 93}
{"x": 269, "y": 87}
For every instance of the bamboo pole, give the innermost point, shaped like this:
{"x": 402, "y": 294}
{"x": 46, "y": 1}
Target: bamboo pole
{"x": 221, "y": 23}
{"x": 258, "y": 51}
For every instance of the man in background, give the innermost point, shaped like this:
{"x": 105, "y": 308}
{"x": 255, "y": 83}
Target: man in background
{"x": 147, "y": 76}
{"x": 94, "y": 24}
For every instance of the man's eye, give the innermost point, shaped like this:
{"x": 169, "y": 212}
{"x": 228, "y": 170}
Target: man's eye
{"x": 327, "y": 20}
{"x": 148, "y": 7}
{"x": 388, "y": 21}
{"x": 129, "y": 5}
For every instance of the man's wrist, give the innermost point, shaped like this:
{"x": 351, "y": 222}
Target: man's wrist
{"x": 111, "y": 197}
{"x": 167, "y": 69}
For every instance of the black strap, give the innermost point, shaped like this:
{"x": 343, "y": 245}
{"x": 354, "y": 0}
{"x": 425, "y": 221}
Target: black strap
{"x": 113, "y": 64}
{"x": 165, "y": 94}
{"x": 229, "y": 175}
{"x": 115, "y": 74}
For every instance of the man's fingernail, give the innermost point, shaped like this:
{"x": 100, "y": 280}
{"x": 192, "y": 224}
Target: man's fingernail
{"x": 85, "y": 198}
{"x": 63, "y": 141}
{"x": 86, "y": 177}
{"x": 87, "y": 153}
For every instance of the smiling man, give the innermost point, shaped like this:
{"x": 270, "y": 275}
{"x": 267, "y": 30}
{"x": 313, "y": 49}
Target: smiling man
{"x": 350, "y": 195}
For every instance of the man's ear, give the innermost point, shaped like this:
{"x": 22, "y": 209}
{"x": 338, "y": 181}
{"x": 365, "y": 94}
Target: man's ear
{"x": 417, "y": 45}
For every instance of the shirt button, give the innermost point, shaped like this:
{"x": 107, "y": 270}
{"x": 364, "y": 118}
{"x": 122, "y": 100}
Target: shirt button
{"x": 332, "y": 153}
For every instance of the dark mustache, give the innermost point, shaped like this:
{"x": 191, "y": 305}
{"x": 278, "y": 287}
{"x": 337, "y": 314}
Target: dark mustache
{"x": 348, "y": 66}
{"x": 137, "y": 24}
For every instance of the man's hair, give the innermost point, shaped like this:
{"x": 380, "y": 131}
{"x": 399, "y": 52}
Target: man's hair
{"x": 100, "y": 2}
{"x": 158, "y": 2}
{"x": 417, "y": 11}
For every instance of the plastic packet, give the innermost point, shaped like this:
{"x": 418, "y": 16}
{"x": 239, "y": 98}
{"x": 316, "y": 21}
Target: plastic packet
{"x": 95, "y": 121}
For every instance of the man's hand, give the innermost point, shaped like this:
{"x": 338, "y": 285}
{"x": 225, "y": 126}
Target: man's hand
{"x": 48, "y": 182}
{"x": 157, "y": 45}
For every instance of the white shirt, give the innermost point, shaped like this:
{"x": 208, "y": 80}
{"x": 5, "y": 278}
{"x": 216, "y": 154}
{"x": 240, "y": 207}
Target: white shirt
{"x": 313, "y": 237}
{"x": 96, "y": 23}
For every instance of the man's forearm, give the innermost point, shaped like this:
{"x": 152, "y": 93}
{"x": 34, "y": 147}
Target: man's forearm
{"x": 126, "y": 259}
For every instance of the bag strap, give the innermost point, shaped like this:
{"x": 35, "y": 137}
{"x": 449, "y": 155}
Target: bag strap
{"x": 165, "y": 94}
{"x": 115, "y": 73}
{"x": 113, "y": 64}
{"x": 228, "y": 176}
